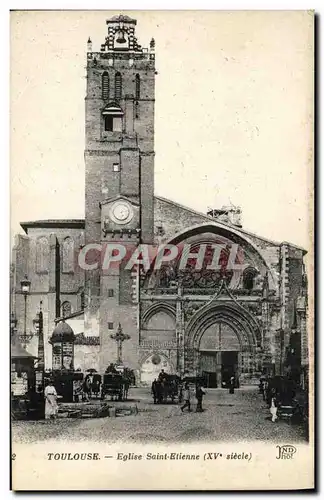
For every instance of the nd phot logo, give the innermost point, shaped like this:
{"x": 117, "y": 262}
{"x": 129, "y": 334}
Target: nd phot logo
{"x": 286, "y": 452}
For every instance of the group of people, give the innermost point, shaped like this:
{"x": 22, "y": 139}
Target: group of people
{"x": 200, "y": 392}
{"x": 166, "y": 383}
{"x": 269, "y": 394}
{"x": 163, "y": 386}
{"x": 184, "y": 391}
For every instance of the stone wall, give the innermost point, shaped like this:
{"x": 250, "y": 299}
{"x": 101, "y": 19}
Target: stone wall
{"x": 49, "y": 284}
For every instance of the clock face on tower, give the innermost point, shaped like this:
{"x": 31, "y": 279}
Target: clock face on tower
{"x": 121, "y": 212}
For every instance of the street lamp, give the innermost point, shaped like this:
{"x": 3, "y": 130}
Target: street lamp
{"x": 25, "y": 289}
{"x": 39, "y": 330}
{"x": 38, "y": 326}
{"x": 120, "y": 337}
{"x": 25, "y": 285}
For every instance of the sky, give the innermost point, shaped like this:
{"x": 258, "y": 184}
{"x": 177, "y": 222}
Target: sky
{"x": 233, "y": 113}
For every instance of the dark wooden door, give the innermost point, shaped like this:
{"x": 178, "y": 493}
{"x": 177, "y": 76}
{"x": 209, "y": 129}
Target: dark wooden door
{"x": 210, "y": 365}
{"x": 229, "y": 366}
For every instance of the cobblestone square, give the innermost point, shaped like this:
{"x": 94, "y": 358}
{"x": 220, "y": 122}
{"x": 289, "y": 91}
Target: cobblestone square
{"x": 241, "y": 416}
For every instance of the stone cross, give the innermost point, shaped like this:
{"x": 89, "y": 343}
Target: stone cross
{"x": 119, "y": 337}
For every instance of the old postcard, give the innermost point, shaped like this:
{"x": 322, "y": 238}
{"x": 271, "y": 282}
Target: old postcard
{"x": 162, "y": 250}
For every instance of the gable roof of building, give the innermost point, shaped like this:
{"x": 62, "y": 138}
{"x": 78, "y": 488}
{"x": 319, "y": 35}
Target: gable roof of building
{"x": 224, "y": 224}
{"x": 54, "y": 223}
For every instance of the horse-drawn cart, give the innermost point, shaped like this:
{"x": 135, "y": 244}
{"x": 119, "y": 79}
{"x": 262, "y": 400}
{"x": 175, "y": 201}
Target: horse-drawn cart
{"x": 115, "y": 385}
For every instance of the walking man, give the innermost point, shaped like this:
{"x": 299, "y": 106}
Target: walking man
{"x": 186, "y": 398}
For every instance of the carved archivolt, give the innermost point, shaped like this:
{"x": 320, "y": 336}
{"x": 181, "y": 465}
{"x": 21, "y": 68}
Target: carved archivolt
{"x": 243, "y": 323}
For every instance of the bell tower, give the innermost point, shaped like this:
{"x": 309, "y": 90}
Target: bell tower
{"x": 119, "y": 152}
{"x": 119, "y": 166}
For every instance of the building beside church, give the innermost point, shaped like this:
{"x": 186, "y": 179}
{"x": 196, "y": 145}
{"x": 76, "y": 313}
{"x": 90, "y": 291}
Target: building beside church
{"x": 215, "y": 323}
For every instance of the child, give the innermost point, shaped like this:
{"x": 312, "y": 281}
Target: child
{"x": 186, "y": 398}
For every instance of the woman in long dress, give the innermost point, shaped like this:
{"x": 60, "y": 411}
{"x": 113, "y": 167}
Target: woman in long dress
{"x": 274, "y": 408}
{"x": 51, "y": 407}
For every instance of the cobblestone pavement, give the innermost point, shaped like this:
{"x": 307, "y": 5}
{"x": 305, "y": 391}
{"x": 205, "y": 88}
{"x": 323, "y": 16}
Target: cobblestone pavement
{"x": 242, "y": 416}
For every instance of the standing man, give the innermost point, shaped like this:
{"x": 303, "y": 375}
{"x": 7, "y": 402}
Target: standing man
{"x": 265, "y": 385}
{"x": 186, "y": 398}
{"x": 154, "y": 390}
{"x": 232, "y": 385}
{"x": 111, "y": 368}
{"x": 200, "y": 392}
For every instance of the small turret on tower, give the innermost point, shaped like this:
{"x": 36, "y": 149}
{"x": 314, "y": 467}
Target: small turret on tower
{"x": 89, "y": 45}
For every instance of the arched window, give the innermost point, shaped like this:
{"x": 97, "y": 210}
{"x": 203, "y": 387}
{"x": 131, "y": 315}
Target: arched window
{"x": 118, "y": 86}
{"x": 42, "y": 255}
{"x": 68, "y": 255}
{"x": 248, "y": 278}
{"x": 66, "y": 309}
{"x": 112, "y": 115}
{"x": 105, "y": 85}
{"x": 137, "y": 87}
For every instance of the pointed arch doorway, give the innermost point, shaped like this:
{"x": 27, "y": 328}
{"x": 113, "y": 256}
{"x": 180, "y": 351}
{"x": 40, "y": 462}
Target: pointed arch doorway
{"x": 220, "y": 354}
{"x": 225, "y": 341}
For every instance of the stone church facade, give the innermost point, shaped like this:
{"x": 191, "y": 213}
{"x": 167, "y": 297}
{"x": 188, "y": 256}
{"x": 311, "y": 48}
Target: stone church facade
{"x": 188, "y": 321}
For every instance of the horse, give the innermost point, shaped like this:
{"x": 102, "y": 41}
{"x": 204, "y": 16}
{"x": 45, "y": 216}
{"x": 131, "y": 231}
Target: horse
{"x": 96, "y": 385}
{"x": 87, "y": 386}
